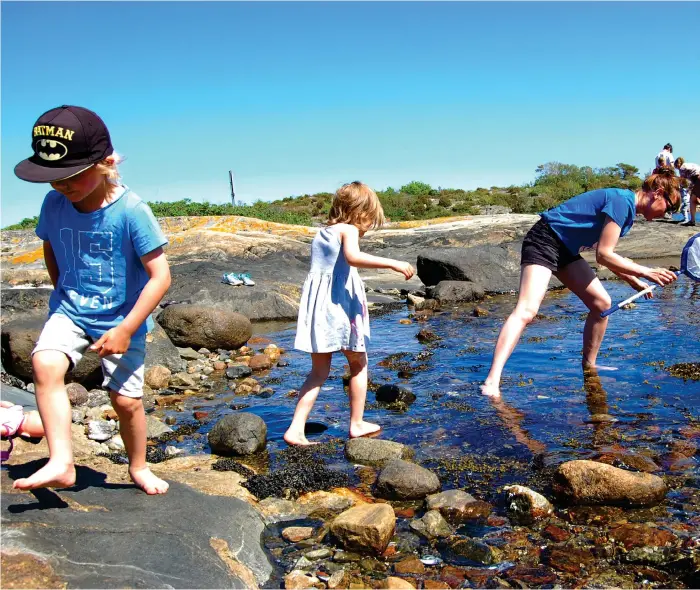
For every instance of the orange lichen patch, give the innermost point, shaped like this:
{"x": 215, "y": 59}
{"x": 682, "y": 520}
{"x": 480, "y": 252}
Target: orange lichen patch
{"x": 28, "y": 257}
{"x": 23, "y": 570}
{"x": 424, "y": 222}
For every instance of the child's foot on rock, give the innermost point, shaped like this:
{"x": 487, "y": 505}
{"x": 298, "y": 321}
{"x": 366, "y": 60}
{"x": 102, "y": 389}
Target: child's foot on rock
{"x": 51, "y": 475}
{"x": 148, "y": 481}
{"x": 297, "y": 439}
{"x": 490, "y": 389}
{"x": 364, "y": 429}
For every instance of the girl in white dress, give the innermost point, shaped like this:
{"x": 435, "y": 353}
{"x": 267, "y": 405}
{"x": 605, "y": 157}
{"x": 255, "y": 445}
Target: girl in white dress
{"x": 333, "y": 310}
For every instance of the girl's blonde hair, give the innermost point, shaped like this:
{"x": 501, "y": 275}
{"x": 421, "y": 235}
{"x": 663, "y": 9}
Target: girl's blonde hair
{"x": 108, "y": 167}
{"x": 665, "y": 179}
{"x": 357, "y": 204}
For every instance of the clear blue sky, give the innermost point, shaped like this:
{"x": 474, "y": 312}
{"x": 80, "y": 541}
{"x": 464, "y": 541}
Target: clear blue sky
{"x": 301, "y": 97}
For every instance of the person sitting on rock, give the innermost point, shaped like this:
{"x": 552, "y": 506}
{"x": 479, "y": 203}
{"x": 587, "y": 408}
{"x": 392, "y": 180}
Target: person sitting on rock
{"x": 104, "y": 254}
{"x": 595, "y": 219}
{"x": 14, "y": 421}
{"x": 691, "y": 173}
{"x": 333, "y": 310}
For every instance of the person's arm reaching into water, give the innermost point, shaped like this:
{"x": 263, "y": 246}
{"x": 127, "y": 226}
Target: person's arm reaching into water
{"x": 623, "y": 267}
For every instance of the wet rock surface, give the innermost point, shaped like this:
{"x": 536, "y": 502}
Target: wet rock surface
{"x": 401, "y": 480}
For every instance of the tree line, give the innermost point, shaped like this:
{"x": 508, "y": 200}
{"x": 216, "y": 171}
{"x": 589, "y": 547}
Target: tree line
{"x": 554, "y": 183}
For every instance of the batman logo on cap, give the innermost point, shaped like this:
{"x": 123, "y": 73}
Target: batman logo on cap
{"x": 50, "y": 149}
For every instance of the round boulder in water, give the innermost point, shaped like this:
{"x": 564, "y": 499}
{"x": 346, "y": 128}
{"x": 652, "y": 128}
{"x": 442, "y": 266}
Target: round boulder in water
{"x": 238, "y": 434}
{"x": 393, "y": 393}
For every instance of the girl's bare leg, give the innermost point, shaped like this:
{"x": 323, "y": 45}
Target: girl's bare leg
{"x": 50, "y": 368}
{"x": 582, "y": 281}
{"x": 358, "y": 395}
{"x": 534, "y": 280}
{"x": 320, "y": 367}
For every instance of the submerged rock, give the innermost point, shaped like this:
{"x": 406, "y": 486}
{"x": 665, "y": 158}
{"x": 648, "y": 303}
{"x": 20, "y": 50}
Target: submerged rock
{"x": 390, "y": 394}
{"x": 590, "y": 482}
{"x": 367, "y": 527}
{"x": 375, "y": 452}
{"x": 458, "y": 507}
{"x": 432, "y": 525}
{"x": 401, "y": 480}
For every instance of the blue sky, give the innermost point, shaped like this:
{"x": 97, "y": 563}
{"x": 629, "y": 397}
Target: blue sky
{"x": 301, "y": 97}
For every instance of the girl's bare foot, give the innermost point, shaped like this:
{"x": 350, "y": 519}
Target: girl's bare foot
{"x": 148, "y": 481}
{"x": 297, "y": 439}
{"x": 52, "y": 475}
{"x": 363, "y": 429}
{"x": 490, "y": 389}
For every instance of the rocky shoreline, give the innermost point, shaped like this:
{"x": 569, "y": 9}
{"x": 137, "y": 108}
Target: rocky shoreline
{"x": 302, "y": 523}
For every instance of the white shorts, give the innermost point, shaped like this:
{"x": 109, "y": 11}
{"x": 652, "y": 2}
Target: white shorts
{"x": 123, "y": 373}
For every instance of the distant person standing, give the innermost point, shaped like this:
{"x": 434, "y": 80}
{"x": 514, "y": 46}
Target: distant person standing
{"x": 690, "y": 172}
{"x": 664, "y": 158}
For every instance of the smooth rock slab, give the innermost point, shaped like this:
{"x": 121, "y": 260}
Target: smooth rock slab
{"x": 375, "y": 452}
{"x": 203, "y": 326}
{"x": 367, "y": 527}
{"x": 182, "y": 539}
{"x": 590, "y": 482}
{"x": 401, "y": 480}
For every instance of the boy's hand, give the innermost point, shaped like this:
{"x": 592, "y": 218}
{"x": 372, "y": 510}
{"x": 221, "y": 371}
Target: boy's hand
{"x": 114, "y": 341}
{"x": 405, "y": 269}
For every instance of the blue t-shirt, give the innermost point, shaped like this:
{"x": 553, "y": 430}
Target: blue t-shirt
{"x": 98, "y": 255}
{"x": 579, "y": 221}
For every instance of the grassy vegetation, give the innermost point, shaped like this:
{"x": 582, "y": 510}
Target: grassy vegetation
{"x": 554, "y": 182}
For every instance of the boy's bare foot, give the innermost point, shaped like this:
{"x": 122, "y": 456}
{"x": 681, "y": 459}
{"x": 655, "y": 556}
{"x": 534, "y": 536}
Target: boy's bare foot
{"x": 364, "y": 429}
{"x": 297, "y": 439}
{"x": 148, "y": 481}
{"x": 51, "y": 475}
{"x": 490, "y": 389}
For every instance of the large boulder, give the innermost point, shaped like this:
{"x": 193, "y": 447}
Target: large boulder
{"x": 20, "y": 302}
{"x": 495, "y": 267}
{"x": 161, "y": 351}
{"x": 401, "y": 480}
{"x": 375, "y": 451}
{"x": 367, "y": 527}
{"x": 590, "y": 482}
{"x": 200, "y": 326}
{"x": 456, "y": 291}
{"x": 238, "y": 434}
{"x": 18, "y": 339}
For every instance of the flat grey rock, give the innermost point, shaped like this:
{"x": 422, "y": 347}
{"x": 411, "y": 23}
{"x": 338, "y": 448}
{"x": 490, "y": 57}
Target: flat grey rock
{"x": 115, "y": 536}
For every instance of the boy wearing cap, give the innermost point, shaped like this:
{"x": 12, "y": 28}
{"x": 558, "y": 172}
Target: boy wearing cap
{"x": 104, "y": 253}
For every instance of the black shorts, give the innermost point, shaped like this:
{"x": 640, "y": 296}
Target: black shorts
{"x": 543, "y": 247}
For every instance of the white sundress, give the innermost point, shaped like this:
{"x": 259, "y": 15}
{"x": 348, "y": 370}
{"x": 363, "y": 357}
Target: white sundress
{"x": 333, "y": 309}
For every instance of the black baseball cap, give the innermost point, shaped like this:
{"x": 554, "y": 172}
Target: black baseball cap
{"x": 66, "y": 140}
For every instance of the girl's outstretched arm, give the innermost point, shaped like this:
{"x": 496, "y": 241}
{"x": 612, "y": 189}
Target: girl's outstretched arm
{"x": 350, "y": 236}
{"x": 620, "y": 265}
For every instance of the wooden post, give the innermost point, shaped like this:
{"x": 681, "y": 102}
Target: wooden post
{"x": 233, "y": 193}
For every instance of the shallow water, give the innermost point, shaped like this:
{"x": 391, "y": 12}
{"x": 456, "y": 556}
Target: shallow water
{"x": 546, "y": 409}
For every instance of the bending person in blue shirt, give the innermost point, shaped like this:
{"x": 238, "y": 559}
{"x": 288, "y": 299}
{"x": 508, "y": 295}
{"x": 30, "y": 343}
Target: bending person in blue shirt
{"x": 104, "y": 254}
{"x": 595, "y": 219}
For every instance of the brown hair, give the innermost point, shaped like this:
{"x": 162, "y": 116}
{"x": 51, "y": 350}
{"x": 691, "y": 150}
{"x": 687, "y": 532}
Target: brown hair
{"x": 665, "y": 179}
{"x": 679, "y": 162}
{"x": 357, "y": 204}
